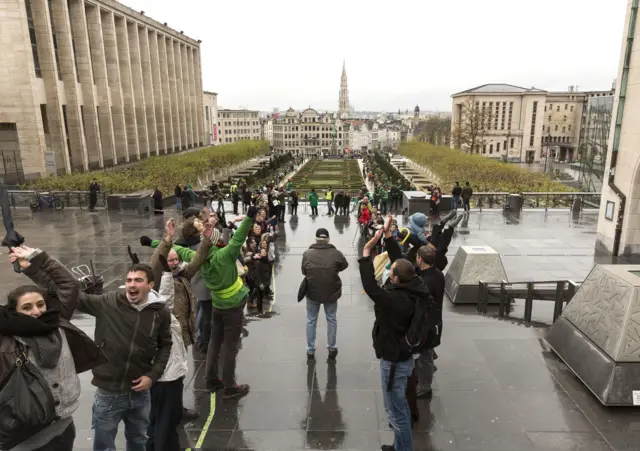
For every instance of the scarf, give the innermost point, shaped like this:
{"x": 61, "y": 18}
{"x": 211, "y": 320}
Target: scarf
{"x": 41, "y": 335}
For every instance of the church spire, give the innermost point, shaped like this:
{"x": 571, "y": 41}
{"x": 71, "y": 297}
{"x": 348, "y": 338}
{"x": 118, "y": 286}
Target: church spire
{"x": 343, "y": 104}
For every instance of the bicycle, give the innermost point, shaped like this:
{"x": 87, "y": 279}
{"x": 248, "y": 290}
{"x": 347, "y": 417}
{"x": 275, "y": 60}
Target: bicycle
{"x": 43, "y": 200}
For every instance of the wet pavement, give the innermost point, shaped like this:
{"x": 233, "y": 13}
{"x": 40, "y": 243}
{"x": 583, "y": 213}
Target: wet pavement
{"x": 498, "y": 388}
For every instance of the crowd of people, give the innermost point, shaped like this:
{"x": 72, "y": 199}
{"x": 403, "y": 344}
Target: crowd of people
{"x": 194, "y": 292}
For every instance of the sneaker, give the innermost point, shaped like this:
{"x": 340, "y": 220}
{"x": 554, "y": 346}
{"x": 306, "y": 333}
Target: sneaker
{"x": 214, "y": 385}
{"x": 424, "y": 394}
{"x": 333, "y": 353}
{"x": 236, "y": 391}
{"x": 189, "y": 415}
{"x": 311, "y": 356}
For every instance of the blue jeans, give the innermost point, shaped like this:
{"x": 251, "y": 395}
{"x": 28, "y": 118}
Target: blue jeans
{"x": 330, "y": 310}
{"x": 109, "y": 408}
{"x": 455, "y": 202}
{"x": 395, "y": 402}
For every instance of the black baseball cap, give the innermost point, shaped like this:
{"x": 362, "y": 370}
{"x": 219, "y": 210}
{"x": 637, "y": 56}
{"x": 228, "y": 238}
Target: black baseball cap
{"x": 322, "y": 233}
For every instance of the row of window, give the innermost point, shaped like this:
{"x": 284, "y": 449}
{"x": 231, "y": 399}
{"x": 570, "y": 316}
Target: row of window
{"x": 556, "y": 128}
{"x": 237, "y": 123}
{"x": 232, "y": 140}
{"x": 237, "y": 115}
{"x": 302, "y": 143}
{"x": 242, "y": 131}
{"x": 566, "y": 105}
{"x": 533, "y": 122}
{"x": 493, "y": 116}
{"x": 556, "y": 139}
{"x": 504, "y": 146}
{"x": 307, "y": 128}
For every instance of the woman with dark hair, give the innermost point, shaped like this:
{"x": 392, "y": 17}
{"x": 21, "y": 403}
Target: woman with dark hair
{"x": 35, "y": 322}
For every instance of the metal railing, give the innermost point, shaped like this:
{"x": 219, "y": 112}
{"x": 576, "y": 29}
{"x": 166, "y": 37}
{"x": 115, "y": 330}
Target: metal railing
{"x": 560, "y": 292}
{"x": 560, "y": 200}
{"x": 77, "y": 199}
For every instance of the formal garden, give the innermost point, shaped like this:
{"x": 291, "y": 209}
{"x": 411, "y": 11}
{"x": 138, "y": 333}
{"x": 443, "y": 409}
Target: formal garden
{"x": 484, "y": 174}
{"x": 322, "y": 174}
{"x": 164, "y": 172}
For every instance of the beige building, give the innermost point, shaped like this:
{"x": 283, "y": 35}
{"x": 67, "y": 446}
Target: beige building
{"x": 238, "y": 125}
{"x": 520, "y": 124}
{"x": 88, "y": 84}
{"x": 309, "y": 132}
{"x": 210, "y": 100}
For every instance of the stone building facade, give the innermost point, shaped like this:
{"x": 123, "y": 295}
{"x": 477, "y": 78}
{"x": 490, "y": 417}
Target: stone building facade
{"x": 88, "y": 84}
{"x": 309, "y": 133}
{"x": 238, "y": 125}
{"x": 524, "y": 124}
{"x": 210, "y": 100}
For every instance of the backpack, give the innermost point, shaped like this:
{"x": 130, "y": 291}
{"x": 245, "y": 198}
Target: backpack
{"x": 416, "y": 338}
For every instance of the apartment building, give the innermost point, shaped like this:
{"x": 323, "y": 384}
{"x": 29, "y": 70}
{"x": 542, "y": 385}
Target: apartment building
{"x": 88, "y": 84}
{"x": 238, "y": 125}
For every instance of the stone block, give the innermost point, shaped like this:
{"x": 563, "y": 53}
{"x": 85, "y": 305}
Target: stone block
{"x": 471, "y": 265}
{"x": 415, "y": 202}
{"x": 598, "y": 333}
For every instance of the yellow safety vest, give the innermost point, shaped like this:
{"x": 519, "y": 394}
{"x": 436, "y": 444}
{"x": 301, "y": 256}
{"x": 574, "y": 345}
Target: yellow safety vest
{"x": 329, "y": 195}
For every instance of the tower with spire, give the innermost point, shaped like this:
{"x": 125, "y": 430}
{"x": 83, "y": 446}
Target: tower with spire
{"x": 343, "y": 106}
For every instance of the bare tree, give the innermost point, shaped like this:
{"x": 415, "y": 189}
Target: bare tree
{"x": 469, "y": 132}
{"x": 435, "y": 130}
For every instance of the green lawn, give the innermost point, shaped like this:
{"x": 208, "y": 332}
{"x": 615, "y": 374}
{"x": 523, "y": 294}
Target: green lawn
{"x": 322, "y": 174}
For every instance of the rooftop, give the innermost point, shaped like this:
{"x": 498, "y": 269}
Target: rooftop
{"x": 500, "y": 88}
{"x": 498, "y": 388}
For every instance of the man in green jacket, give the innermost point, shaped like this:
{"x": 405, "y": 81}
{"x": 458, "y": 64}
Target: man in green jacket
{"x": 228, "y": 297}
{"x": 313, "y": 202}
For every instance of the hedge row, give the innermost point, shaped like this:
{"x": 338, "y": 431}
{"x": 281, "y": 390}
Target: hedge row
{"x": 484, "y": 174}
{"x": 164, "y": 172}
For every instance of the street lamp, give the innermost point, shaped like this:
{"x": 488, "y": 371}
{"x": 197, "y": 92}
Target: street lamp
{"x": 546, "y": 155}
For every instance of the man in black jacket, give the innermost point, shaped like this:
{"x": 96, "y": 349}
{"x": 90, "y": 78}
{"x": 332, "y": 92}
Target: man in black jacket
{"x": 394, "y": 309}
{"x": 433, "y": 278}
{"x": 133, "y": 331}
{"x": 321, "y": 265}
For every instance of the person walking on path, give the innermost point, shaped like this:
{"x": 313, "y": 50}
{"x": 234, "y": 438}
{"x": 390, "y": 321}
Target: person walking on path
{"x": 94, "y": 189}
{"x": 313, "y": 202}
{"x": 466, "y": 194}
{"x": 321, "y": 265}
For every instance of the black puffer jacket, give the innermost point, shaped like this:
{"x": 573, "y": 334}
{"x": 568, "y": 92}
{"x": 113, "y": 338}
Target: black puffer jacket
{"x": 394, "y": 308}
{"x": 321, "y": 265}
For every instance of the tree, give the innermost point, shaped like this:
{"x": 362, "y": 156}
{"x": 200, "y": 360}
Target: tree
{"x": 435, "y": 130}
{"x": 469, "y": 132}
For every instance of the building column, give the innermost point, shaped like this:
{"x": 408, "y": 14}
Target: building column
{"x": 153, "y": 136}
{"x": 85, "y": 72}
{"x": 126, "y": 87}
{"x": 163, "y": 53}
{"x": 49, "y": 68}
{"x": 187, "y": 95}
{"x": 76, "y": 144}
{"x": 199, "y": 94}
{"x": 173, "y": 90}
{"x": 155, "y": 70}
{"x": 106, "y": 132}
{"x": 139, "y": 91}
{"x": 177, "y": 54}
{"x": 192, "y": 98}
{"x": 110, "y": 40}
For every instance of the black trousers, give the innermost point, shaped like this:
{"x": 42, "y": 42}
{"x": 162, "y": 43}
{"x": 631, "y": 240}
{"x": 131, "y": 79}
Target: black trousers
{"x": 63, "y": 442}
{"x": 165, "y": 416}
{"x": 294, "y": 209}
{"x": 235, "y": 208}
{"x": 93, "y": 200}
{"x": 314, "y": 211}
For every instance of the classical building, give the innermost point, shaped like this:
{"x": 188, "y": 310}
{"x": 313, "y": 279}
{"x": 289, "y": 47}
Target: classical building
{"x": 238, "y": 125}
{"x": 88, "y": 84}
{"x": 520, "y": 124}
{"x": 308, "y": 132}
{"x": 210, "y": 100}
{"x": 344, "y": 107}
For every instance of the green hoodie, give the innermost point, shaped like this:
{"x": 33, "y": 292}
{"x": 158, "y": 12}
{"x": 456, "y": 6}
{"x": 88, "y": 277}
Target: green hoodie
{"x": 219, "y": 271}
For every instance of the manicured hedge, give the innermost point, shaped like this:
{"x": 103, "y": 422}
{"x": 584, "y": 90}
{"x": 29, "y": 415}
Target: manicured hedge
{"x": 484, "y": 174}
{"x": 163, "y": 171}
{"x": 321, "y": 174}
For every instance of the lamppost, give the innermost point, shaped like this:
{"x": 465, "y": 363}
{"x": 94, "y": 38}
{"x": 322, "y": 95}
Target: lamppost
{"x": 546, "y": 155}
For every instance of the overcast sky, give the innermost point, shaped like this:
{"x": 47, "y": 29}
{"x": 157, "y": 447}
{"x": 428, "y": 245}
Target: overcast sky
{"x": 275, "y": 54}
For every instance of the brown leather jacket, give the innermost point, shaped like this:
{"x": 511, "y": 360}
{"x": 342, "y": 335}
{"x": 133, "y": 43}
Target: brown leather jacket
{"x": 62, "y": 294}
{"x": 184, "y": 305}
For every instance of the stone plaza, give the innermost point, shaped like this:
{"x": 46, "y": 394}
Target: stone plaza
{"x": 498, "y": 387}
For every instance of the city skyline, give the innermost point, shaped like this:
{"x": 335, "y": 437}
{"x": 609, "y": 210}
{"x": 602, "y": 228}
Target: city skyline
{"x": 396, "y": 57}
